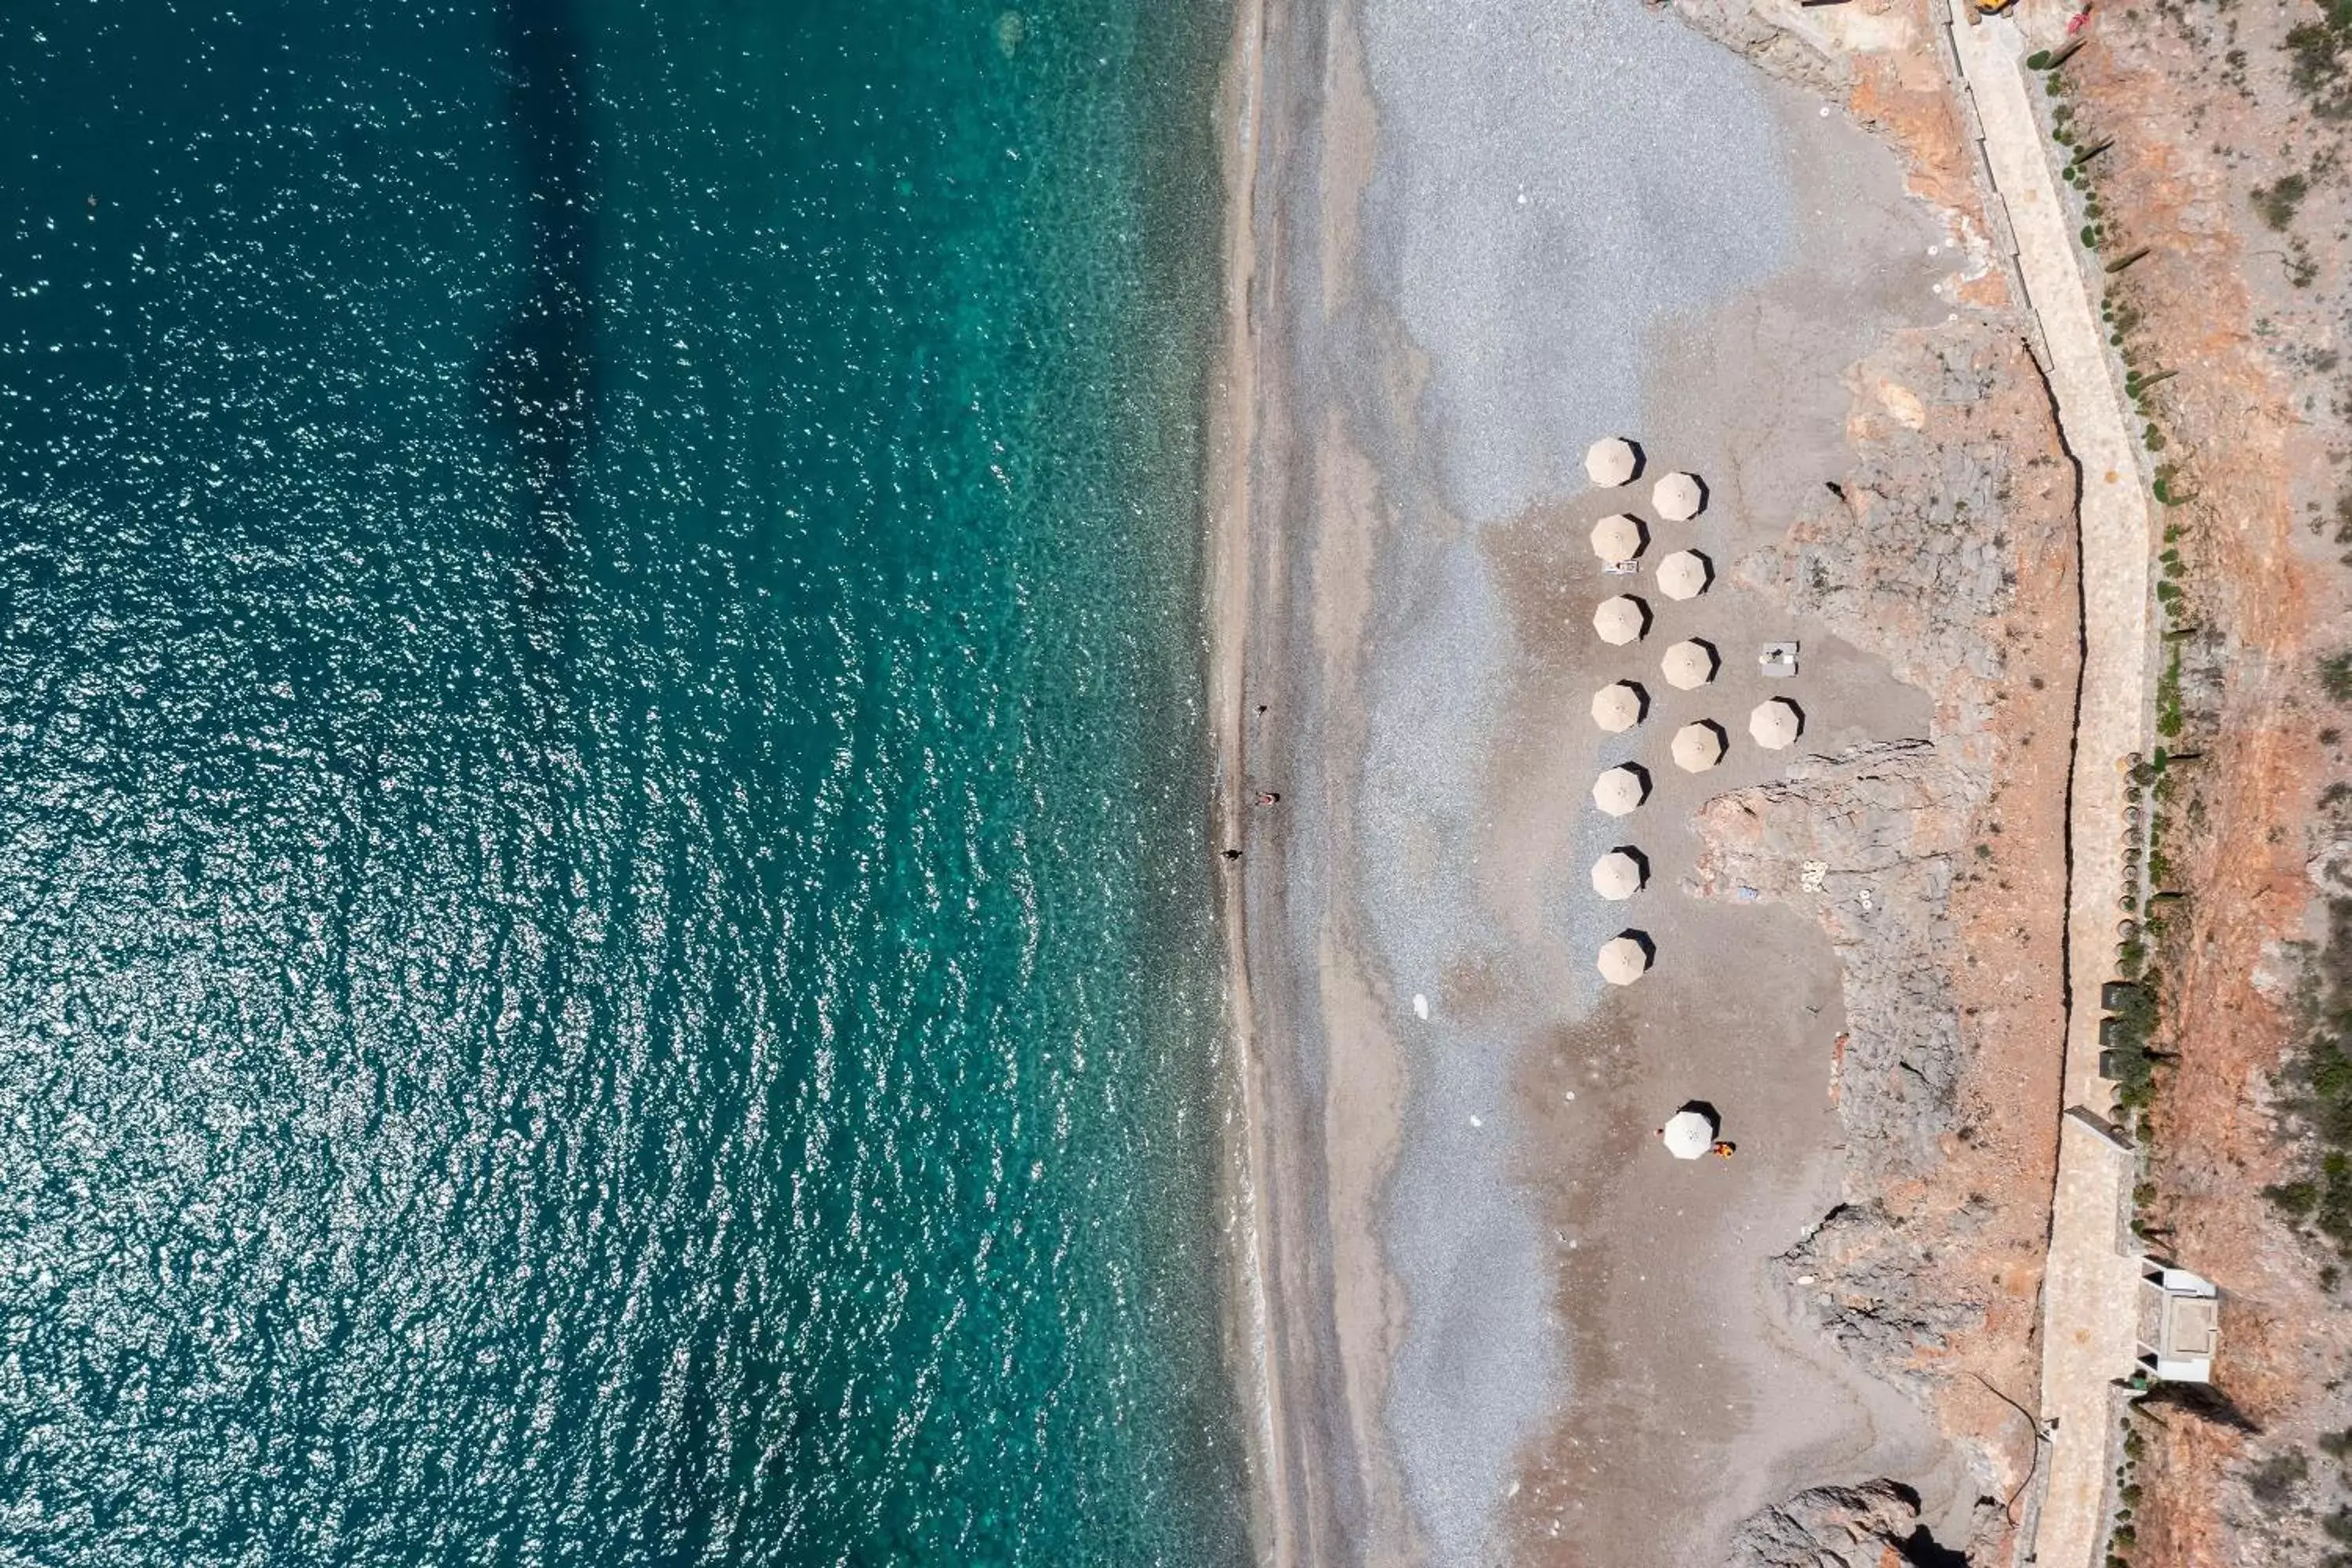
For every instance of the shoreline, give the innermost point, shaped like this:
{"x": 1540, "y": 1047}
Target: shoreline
{"x": 1437, "y": 1107}
{"x": 1251, "y": 1310}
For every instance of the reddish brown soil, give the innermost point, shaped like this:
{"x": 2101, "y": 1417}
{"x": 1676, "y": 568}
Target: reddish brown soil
{"x": 2250, "y": 422}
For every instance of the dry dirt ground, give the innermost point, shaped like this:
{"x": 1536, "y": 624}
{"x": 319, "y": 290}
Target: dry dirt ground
{"x": 2228, "y": 124}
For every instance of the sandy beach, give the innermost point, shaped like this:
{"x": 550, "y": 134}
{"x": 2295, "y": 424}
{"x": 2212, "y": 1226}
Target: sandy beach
{"x": 1489, "y": 1319}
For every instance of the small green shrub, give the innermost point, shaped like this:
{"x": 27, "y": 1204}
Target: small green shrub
{"x": 2169, "y": 718}
{"x": 2277, "y": 201}
{"x": 2335, "y": 675}
{"x": 2274, "y": 1479}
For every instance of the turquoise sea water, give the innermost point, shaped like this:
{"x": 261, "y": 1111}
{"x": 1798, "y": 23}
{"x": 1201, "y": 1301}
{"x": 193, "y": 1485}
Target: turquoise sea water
{"x": 604, "y": 938}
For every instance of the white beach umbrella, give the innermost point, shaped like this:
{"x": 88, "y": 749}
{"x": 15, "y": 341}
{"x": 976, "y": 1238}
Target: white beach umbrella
{"x": 1688, "y": 665}
{"x": 1685, "y": 575}
{"x": 1677, "y": 498}
{"x": 1610, "y": 461}
{"x": 1687, "y": 1135}
{"x": 1617, "y": 707}
{"x": 1619, "y": 791}
{"x": 1698, "y": 747}
{"x": 1623, "y": 960}
{"x": 1776, "y": 725}
{"x": 1616, "y": 875}
{"x": 1618, "y": 538}
{"x": 1620, "y": 620}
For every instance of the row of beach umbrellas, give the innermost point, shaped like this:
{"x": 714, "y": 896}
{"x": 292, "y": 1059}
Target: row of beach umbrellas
{"x": 1688, "y": 665}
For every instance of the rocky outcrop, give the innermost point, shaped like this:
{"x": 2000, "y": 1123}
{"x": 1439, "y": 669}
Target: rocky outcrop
{"x": 1737, "y": 25}
{"x": 1911, "y": 558}
{"x": 1959, "y": 494}
{"x": 1865, "y": 841}
{"x": 1848, "y": 1275}
{"x": 1866, "y": 1526}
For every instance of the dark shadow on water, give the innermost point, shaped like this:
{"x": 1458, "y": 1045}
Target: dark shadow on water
{"x": 539, "y": 381}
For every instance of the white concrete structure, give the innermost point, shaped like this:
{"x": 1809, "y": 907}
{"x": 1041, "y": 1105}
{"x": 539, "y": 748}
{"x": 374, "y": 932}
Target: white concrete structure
{"x": 2180, "y": 1328}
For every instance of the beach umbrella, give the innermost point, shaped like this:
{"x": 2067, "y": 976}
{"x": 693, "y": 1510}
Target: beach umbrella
{"x": 1617, "y": 707}
{"x": 1677, "y": 498}
{"x": 1620, "y": 790}
{"x": 1616, "y": 875}
{"x": 1776, "y": 724}
{"x": 1687, "y": 1135}
{"x": 1610, "y": 461}
{"x": 1618, "y": 538}
{"x": 1623, "y": 960}
{"x": 1698, "y": 747}
{"x": 1620, "y": 620}
{"x": 1689, "y": 665}
{"x": 1685, "y": 575}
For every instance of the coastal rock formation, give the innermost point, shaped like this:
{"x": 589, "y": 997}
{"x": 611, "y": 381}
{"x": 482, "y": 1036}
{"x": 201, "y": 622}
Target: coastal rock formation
{"x": 1845, "y": 1274}
{"x": 1913, "y": 560}
{"x": 1830, "y": 1527}
{"x": 1866, "y": 841}
{"x": 1809, "y": 62}
{"x": 1935, "y": 867}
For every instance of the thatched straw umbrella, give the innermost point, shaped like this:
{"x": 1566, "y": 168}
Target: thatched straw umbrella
{"x": 1618, "y": 538}
{"x": 1698, "y": 747}
{"x": 1685, "y": 575}
{"x": 1687, "y": 1135}
{"x": 1620, "y": 790}
{"x": 1677, "y": 498}
{"x": 1618, "y": 708}
{"x": 1688, "y": 665}
{"x": 1621, "y": 620}
{"x": 1618, "y": 875}
{"x": 1624, "y": 959}
{"x": 1611, "y": 461}
{"x": 1775, "y": 725}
